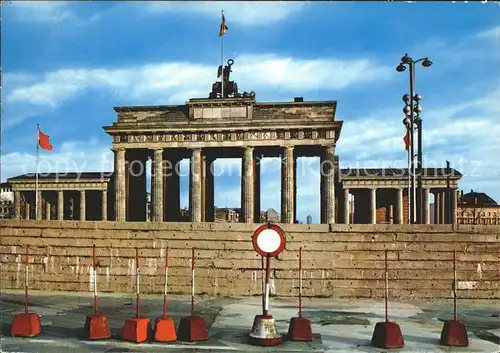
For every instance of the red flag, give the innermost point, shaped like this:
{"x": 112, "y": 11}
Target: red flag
{"x": 223, "y": 27}
{"x": 406, "y": 139}
{"x": 43, "y": 141}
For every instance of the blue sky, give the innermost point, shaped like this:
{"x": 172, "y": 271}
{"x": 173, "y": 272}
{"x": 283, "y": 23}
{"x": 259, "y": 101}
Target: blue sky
{"x": 66, "y": 64}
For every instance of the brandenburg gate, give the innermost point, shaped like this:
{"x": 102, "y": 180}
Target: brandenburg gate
{"x": 206, "y": 129}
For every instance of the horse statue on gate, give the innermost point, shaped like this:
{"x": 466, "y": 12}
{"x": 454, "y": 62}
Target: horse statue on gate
{"x": 230, "y": 87}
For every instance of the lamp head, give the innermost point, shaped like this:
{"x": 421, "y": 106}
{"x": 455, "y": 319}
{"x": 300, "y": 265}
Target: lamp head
{"x": 417, "y": 98}
{"x": 426, "y": 62}
{"x": 407, "y": 110}
{"x": 405, "y": 59}
{"x": 406, "y": 98}
{"x": 406, "y": 121}
{"x": 400, "y": 68}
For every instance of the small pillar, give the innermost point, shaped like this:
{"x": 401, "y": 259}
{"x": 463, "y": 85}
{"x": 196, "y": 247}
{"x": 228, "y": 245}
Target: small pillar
{"x": 120, "y": 185}
{"x": 373, "y": 205}
{"x": 47, "y": 210}
{"x": 60, "y": 205}
{"x": 104, "y": 202}
{"x": 287, "y": 215}
{"x": 17, "y": 204}
{"x": 83, "y": 216}
{"x": 247, "y": 202}
{"x": 347, "y": 207}
{"x": 157, "y": 186}
{"x": 195, "y": 178}
{"x": 400, "y": 208}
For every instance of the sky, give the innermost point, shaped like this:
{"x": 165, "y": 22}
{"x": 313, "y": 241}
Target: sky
{"x": 65, "y": 65}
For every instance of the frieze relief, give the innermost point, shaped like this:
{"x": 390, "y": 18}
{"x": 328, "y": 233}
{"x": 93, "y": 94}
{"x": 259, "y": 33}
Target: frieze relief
{"x": 227, "y": 136}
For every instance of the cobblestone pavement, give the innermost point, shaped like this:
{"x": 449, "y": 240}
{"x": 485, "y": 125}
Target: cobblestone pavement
{"x": 338, "y": 325}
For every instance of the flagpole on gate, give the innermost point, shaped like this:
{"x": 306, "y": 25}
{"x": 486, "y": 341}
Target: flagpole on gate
{"x": 36, "y": 173}
{"x": 222, "y": 54}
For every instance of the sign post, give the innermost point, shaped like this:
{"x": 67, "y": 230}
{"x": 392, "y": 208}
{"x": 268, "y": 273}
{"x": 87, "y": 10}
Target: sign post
{"x": 268, "y": 241}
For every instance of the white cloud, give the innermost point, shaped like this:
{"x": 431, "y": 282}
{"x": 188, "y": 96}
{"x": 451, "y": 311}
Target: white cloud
{"x": 246, "y": 13}
{"x": 490, "y": 34}
{"x": 41, "y": 11}
{"x": 152, "y": 83}
{"x": 48, "y": 12}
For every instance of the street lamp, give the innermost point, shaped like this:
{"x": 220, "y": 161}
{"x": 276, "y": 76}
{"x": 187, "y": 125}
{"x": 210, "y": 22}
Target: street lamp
{"x": 412, "y": 112}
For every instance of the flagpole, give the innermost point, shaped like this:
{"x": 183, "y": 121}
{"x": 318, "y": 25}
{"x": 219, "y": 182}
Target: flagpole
{"x": 222, "y": 58}
{"x": 36, "y": 173}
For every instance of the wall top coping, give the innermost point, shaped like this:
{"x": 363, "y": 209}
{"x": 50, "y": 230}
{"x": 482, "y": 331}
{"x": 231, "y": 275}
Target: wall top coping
{"x": 250, "y": 227}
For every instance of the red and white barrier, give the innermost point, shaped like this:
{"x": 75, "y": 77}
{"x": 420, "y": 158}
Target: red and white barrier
{"x": 26, "y": 324}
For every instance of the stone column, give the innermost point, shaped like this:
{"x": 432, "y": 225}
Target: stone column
{"x": 17, "y": 204}
{"x": 437, "y": 207}
{"x": 47, "y": 210}
{"x": 454, "y": 206}
{"x": 347, "y": 207}
{"x": 400, "y": 206}
{"x": 373, "y": 205}
{"x": 38, "y": 205}
{"x": 120, "y": 192}
{"x": 60, "y": 205}
{"x": 322, "y": 192}
{"x": 157, "y": 186}
{"x": 27, "y": 208}
{"x": 427, "y": 213}
{"x": 328, "y": 184}
{"x": 256, "y": 199}
{"x": 294, "y": 188}
{"x": 104, "y": 205}
{"x": 195, "y": 178}
{"x": 287, "y": 215}
{"x": 83, "y": 216}
{"x": 203, "y": 174}
{"x": 443, "y": 208}
{"x": 247, "y": 201}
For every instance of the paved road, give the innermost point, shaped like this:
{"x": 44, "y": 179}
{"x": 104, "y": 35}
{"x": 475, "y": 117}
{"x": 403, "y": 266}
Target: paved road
{"x": 338, "y": 325}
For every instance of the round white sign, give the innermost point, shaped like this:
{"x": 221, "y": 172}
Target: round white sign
{"x": 268, "y": 240}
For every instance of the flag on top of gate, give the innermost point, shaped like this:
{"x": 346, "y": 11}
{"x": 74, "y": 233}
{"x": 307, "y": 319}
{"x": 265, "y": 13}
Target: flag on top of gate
{"x": 223, "y": 27}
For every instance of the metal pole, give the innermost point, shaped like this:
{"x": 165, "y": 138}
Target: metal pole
{"x": 412, "y": 145}
{"x": 447, "y": 203}
{"x": 300, "y": 282}
{"x": 386, "y": 290}
{"x": 409, "y": 185}
{"x": 36, "y": 173}
{"x": 192, "y": 282}
{"x": 263, "y": 272}
{"x": 26, "y": 282}
{"x": 137, "y": 282}
{"x": 454, "y": 286}
{"x": 222, "y": 57}
{"x": 95, "y": 279}
{"x": 420, "y": 198}
{"x": 266, "y": 302}
{"x": 166, "y": 282}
